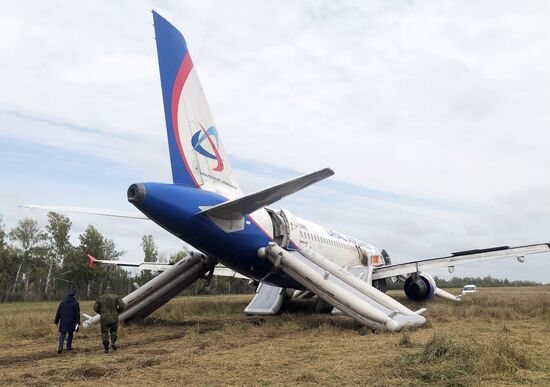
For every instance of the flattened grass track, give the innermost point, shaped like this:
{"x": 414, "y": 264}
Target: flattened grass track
{"x": 499, "y": 336}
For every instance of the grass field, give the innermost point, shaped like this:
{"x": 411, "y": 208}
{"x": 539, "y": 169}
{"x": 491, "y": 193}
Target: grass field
{"x": 499, "y": 336}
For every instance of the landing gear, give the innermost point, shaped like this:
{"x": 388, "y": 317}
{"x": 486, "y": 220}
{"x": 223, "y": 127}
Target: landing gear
{"x": 322, "y": 307}
{"x": 381, "y": 284}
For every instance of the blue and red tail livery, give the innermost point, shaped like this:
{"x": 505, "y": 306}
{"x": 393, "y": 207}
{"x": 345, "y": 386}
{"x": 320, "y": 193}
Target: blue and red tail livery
{"x": 197, "y": 155}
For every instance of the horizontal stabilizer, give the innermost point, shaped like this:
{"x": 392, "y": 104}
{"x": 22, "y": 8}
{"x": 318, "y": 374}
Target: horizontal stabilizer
{"x": 91, "y": 211}
{"x": 234, "y": 210}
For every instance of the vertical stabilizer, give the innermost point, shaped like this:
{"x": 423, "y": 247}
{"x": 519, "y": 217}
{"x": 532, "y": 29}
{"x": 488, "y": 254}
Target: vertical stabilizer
{"x": 197, "y": 154}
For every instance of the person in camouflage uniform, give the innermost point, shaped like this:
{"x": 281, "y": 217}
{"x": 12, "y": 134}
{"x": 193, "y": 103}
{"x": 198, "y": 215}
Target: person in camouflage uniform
{"x": 109, "y": 306}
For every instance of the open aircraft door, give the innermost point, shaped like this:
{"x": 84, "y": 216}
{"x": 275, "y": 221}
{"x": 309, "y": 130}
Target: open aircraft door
{"x": 292, "y": 229}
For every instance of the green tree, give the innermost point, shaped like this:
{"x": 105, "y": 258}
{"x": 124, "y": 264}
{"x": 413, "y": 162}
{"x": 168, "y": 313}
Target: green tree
{"x": 58, "y": 229}
{"x": 178, "y": 256}
{"x": 8, "y": 267}
{"x": 8, "y": 263}
{"x": 5, "y": 263}
{"x": 92, "y": 281}
{"x": 31, "y": 240}
{"x": 151, "y": 254}
{"x": 150, "y": 250}
{"x": 92, "y": 242}
{"x": 2, "y": 235}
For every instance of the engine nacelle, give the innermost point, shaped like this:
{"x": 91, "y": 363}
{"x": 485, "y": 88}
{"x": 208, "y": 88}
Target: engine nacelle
{"x": 420, "y": 287}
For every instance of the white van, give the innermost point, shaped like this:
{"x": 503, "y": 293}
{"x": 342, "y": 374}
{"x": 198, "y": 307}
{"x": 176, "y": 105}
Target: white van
{"x": 469, "y": 289}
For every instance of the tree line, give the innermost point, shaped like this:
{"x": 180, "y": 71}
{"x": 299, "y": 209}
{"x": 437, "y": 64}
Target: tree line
{"x": 485, "y": 282}
{"x": 41, "y": 263}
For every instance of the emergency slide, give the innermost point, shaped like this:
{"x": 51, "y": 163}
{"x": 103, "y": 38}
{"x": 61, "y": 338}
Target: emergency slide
{"x": 341, "y": 289}
{"x": 267, "y": 301}
{"x": 161, "y": 289}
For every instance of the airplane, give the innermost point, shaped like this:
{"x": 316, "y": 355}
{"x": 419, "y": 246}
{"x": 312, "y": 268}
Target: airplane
{"x": 205, "y": 207}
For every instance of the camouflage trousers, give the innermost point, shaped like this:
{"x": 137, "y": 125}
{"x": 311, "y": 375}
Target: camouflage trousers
{"x": 105, "y": 329}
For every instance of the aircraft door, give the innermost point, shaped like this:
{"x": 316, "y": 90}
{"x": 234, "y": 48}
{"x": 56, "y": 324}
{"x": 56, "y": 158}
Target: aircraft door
{"x": 281, "y": 227}
{"x": 292, "y": 230}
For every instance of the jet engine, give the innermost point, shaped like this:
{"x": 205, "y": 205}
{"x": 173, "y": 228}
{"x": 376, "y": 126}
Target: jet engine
{"x": 419, "y": 287}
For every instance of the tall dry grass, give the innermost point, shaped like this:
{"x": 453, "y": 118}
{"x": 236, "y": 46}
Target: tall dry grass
{"x": 444, "y": 360}
{"x": 492, "y": 338}
{"x": 502, "y": 304}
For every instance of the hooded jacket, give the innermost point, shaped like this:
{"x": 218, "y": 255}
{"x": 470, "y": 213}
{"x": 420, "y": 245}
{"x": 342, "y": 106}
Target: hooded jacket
{"x": 68, "y": 313}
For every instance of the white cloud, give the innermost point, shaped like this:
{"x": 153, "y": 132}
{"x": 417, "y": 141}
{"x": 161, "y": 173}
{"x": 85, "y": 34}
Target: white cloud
{"x": 434, "y": 100}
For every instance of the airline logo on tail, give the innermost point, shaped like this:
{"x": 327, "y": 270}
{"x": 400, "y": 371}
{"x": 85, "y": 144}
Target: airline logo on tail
{"x": 199, "y": 137}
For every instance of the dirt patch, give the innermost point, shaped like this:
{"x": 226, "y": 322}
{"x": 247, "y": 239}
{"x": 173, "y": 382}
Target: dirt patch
{"x": 209, "y": 328}
{"x": 89, "y": 372}
{"x": 41, "y": 355}
{"x": 256, "y": 321}
{"x": 152, "y": 339}
{"x": 147, "y": 363}
{"x": 156, "y": 352}
{"x": 4, "y": 361}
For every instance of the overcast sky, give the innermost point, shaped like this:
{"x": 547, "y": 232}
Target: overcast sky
{"x": 434, "y": 115}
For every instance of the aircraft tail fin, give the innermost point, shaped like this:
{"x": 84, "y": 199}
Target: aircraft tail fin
{"x": 197, "y": 154}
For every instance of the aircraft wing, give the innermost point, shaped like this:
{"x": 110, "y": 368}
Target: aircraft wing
{"x": 224, "y": 271}
{"x": 458, "y": 258}
{"x": 219, "y": 270}
{"x": 93, "y": 211}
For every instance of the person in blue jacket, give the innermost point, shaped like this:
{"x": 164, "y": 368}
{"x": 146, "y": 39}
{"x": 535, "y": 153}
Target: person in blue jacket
{"x": 68, "y": 318}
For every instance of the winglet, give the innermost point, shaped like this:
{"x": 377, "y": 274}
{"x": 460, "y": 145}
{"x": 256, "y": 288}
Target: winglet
{"x": 92, "y": 261}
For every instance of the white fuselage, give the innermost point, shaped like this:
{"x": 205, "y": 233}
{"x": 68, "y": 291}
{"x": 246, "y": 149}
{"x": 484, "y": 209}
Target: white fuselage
{"x": 339, "y": 248}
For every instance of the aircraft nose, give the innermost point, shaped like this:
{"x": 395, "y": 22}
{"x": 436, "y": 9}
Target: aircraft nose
{"x": 136, "y": 193}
